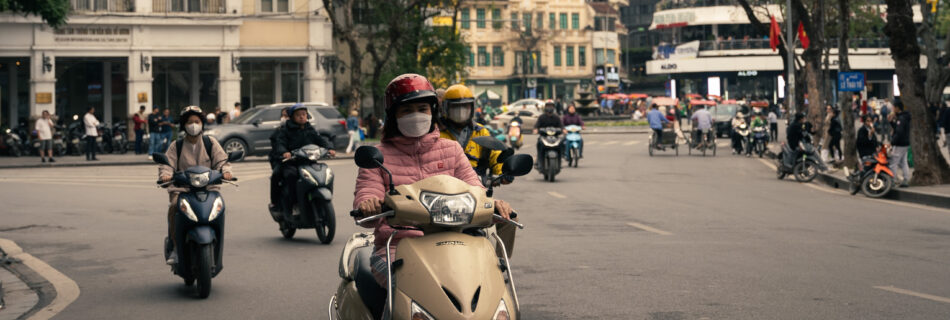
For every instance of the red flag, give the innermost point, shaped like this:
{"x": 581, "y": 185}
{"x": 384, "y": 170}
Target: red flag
{"x": 802, "y": 36}
{"x": 774, "y": 32}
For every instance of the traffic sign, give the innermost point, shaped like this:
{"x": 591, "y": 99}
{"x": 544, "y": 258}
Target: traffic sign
{"x": 851, "y": 81}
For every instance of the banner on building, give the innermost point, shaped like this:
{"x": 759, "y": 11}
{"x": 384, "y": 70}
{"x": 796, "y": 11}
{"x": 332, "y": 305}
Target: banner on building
{"x": 687, "y": 50}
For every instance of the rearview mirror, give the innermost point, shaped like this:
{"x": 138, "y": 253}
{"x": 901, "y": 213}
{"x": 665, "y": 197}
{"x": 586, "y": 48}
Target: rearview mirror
{"x": 517, "y": 165}
{"x": 368, "y": 157}
{"x": 160, "y": 158}
{"x": 257, "y": 122}
{"x": 235, "y": 155}
{"x": 490, "y": 143}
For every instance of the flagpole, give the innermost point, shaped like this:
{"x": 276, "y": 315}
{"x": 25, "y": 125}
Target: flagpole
{"x": 790, "y": 40}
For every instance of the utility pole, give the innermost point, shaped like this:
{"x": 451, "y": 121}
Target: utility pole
{"x": 790, "y": 40}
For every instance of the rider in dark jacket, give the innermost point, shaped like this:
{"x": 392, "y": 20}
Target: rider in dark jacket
{"x": 293, "y": 134}
{"x": 548, "y": 119}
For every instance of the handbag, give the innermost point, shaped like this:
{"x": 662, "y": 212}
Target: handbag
{"x": 362, "y": 135}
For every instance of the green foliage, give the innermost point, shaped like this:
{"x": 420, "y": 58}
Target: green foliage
{"x": 52, "y": 11}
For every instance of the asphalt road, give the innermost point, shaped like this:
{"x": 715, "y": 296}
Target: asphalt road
{"x": 624, "y": 236}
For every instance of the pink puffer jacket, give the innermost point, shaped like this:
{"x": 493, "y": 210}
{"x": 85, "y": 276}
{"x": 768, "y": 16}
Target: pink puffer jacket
{"x": 410, "y": 160}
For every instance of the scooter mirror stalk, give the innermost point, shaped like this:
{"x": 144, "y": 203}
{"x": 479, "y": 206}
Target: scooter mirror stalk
{"x": 160, "y": 158}
{"x": 235, "y": 155}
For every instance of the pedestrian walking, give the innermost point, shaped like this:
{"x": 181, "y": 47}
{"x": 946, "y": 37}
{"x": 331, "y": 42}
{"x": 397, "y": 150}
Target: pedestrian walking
{"x": 900, "y": 140}
{"x": 140, "y": 125}
{"x": 353, "y": 128}
{"x": 154, "y": 132}
{"x": 92, "y": 132}
{"x": 167, "y": 128}
{"x": 773, "y": 125}
{"x": 44, "y": 131}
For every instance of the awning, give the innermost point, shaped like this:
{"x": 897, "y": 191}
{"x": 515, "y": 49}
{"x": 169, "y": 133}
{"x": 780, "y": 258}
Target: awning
{"x": 665, "y": 101}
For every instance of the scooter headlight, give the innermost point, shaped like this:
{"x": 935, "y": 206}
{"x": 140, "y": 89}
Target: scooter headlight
{"x": 501, "y": 313}
{"x": 186, "y": 208}
{"x": 216, "y": 209}
{"x": 314, "y": 154}
{"x": 449, "y": 209}
{"x": 419, "y": 313}
{"x": 199, "y": 180}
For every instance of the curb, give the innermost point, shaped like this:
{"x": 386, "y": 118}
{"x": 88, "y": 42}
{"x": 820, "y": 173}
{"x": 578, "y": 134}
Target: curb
{"x": 116, "y": 164}
{"x": 65, "y": 289}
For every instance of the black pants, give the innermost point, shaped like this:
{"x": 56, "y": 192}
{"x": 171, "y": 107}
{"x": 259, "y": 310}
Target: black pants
{"x": 286, "y": 174}
{"x": 737, "y": 142}
{"x": 90, "y": 147}
{"x": 835, "y": 144}
{"x": 657, "y": 135}
{"x": 773, "y": 129}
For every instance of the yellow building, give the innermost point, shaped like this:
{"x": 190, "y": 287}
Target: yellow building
{"x": 539, "y": 48}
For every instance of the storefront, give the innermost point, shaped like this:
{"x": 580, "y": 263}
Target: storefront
{"x": 14, "y": 90}
{"x": 266, "y": 81}
{"x": 100, "y": 83}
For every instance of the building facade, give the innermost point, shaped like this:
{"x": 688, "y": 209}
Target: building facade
{"x": 116, "y": 55}
{"x": 538, "y": 49}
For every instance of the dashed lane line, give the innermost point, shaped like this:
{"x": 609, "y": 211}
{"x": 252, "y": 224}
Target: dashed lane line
{"x": 590, "y": 143}
{"x": 557, "y": 195}
{"x": 649, "y": 229}
{"x": 631, "y": 143}
{"x": 610, "y": 143}
{"x": 914, "y": 293}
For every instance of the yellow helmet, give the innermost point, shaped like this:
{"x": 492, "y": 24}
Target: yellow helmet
{"x": 458, "y": 95}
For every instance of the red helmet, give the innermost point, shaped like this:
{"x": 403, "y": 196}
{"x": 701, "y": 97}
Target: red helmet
{"x": 409, "y": 87}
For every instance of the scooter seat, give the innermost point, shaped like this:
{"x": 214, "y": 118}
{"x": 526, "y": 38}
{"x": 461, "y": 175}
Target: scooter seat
{"x": 373, "y": 295}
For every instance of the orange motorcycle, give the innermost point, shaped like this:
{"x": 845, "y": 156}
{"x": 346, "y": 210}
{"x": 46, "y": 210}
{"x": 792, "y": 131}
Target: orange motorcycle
{"x": 875, "y": 180}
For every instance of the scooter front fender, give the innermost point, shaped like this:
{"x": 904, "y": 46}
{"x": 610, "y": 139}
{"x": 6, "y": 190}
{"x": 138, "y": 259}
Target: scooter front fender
{"x": 884, "y": 169}
{"x": 201, "y": 235}
{"x": 323, "y": 193}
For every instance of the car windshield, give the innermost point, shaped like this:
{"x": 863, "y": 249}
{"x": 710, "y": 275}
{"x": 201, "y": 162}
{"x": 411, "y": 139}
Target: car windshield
{"x": 246, "y": 116}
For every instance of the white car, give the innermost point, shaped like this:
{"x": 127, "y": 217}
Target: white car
{"x": 528, "y": 117}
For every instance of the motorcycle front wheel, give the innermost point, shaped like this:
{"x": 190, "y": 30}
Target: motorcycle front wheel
{"x": 805, "y": 171}
{"x": 877, "y": 187}
{"x": 326, "y": 229}
{"x": 204, "y": 261}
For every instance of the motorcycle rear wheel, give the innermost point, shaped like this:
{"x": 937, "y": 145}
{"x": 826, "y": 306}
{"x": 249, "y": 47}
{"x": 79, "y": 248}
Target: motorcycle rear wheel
{"x": 876, "y": 188}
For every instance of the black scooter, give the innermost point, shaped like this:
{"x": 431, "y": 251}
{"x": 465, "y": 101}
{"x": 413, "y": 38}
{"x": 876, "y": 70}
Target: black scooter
{"x": 552, "y": 145}
{"x": 311, "y": 206}
{"x": 807, "y": 162}
{"x": 199, "y": 223}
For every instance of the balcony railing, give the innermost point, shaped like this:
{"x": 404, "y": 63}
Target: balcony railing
{"x": 102, "y": 5}
{"x": 188, "y": 6}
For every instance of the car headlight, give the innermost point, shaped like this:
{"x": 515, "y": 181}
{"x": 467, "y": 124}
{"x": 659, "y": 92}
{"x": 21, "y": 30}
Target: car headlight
{"x": 449, "y": 209}
{"x": 199, "y": 180}
{"x": 186, "y": 208}
{"x": 216, "y": 209}
{"x": 306, "y": 175}
{"x": 502, "y": 312}
{"x": 418, "y": 312}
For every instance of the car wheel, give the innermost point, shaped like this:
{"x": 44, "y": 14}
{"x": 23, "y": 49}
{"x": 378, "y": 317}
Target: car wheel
{"x": 235, "y": 144}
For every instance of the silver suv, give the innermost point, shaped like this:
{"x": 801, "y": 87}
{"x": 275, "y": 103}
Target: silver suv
{"x": 251, "y": 130}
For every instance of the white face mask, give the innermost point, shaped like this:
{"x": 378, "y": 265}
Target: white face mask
{"x": 193, "y": 129}
{"x": 414, "y": 125}
{"x": 460, "y": 114}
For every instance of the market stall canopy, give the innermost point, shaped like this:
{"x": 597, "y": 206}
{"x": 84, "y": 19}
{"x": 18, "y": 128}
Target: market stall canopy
{"x": 665, "y": 101}
{"x": 696, "y": 102}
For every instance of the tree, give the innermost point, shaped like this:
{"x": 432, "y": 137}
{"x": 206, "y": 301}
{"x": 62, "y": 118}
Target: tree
{"x": 52, "y": 11}
{"x": 929, "y": 167}
{"x": 345, "y": 30}
{"x": 844, "y": 102}
{"x": 531, "y": 40}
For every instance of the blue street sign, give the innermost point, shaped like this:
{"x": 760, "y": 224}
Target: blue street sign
{"x": 851, "y": 81}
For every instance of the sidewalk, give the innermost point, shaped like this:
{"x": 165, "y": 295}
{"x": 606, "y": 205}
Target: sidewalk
{"x": 16, "y": 297}
{"x": 129, "y": 159}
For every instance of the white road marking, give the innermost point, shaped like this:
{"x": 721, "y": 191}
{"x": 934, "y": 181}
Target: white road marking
{"x": 631, "y": 143}
{"x": 557, "y": 195}
{"x": 590, "y": 143}
{"x": 610, "y": 143}
{"x": 649, "y": 228}
{"x": 66, "y": 289}
{"x": 914, "y": 294}
{"x": 768, "y": 164}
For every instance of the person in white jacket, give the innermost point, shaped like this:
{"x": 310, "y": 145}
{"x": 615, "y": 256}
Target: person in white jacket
{"x": 44, "y": 131}
{"x": 92, "y": 132}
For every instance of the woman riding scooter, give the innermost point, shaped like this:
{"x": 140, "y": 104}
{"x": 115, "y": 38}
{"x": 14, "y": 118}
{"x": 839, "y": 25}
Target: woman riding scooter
{"x": 413, "y": 151}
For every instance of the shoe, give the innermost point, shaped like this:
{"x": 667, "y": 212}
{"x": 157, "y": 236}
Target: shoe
{"x": 150, "y": 157}
{"x": 43, "y": 160}
{"x": 172, "y": 258}
{"x": 51, "y": 160}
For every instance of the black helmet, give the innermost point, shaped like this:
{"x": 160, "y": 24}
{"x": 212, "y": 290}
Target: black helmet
{"x": 187, "y": 112}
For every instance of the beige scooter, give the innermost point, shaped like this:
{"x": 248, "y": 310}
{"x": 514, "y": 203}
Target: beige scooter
{"x": 452, "y": 272}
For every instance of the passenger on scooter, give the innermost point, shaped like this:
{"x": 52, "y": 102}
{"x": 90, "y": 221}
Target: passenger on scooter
{"x": 656, "y": 120}
{"x": 197, "y": 152}
{"x": 548, "y": 119}
{"x": 702, "y": 122}
{"x": 572, "y": 118}
{"x": 456, "y": 123}
{"x": 293, "y": 134}
{"x": 413, "y": 151}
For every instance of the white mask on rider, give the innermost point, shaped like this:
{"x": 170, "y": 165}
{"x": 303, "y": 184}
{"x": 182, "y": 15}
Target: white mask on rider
{"x": 460, "y": 114}
{"x": 414, "y": 125}
{"x": 193, "y": 129}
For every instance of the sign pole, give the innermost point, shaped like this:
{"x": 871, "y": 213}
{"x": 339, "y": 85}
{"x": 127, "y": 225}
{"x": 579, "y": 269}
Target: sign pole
{"x": 790, "y": 40}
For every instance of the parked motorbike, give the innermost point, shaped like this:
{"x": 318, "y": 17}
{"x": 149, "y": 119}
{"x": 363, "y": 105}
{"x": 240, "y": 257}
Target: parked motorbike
{"x": 549, "y": 162}
{"x": 199, "y": 224}
{"x": 26, "y": 135}
{"x": 11, "y": 143}
{"x": 514, "y": 138}
{"x": 806, "y": 165}
{"x": 311, "y": 206}
{"x": 75, "y": 131}
{"x": 120, "y": 137}
{"x": 876, "y": 179}
{"x": 760, "y": 137}
{"x": 452, "y": 272}
{"x": 573, "y": 143}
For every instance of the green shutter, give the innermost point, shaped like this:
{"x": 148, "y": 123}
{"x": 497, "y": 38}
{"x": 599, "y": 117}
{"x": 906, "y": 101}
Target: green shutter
{"x": 480, "y": 16}
{"x": 557, "y": 56}
{"x": 552, "y": 23}
{"x": 465, "y": 18}
{"x": 575, "y": 21}
{"x": 570, "y": 56}
{"x": 496, "y": 16}
{"x": 563, "y": 21}
{"x": 582, "y": 56}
